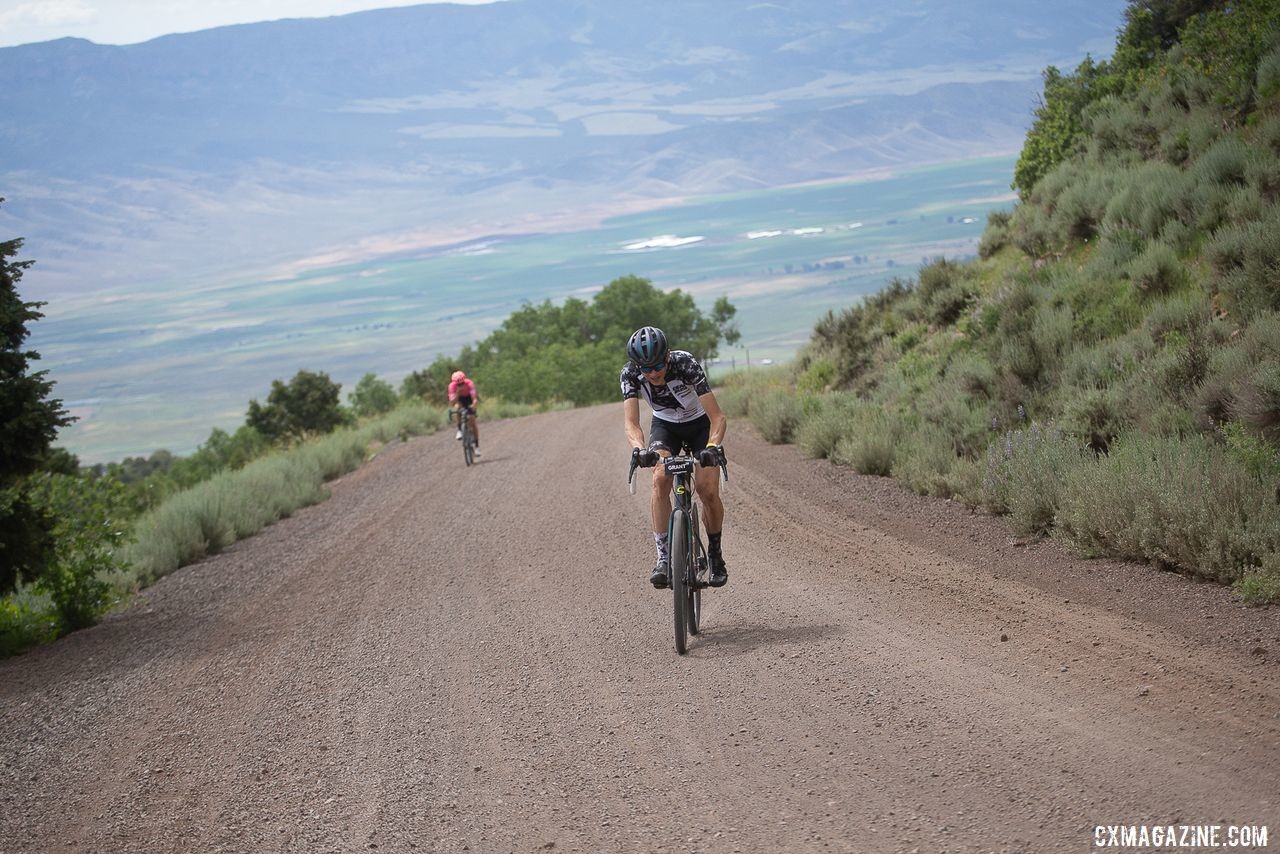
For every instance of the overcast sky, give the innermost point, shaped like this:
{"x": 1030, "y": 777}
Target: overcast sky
{"x": 130, "y": 21}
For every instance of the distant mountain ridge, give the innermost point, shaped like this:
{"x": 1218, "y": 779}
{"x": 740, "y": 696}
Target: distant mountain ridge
{"x": 380, "y": 121}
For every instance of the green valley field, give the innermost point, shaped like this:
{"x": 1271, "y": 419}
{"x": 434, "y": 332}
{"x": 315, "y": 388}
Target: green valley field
{"x": 160, "y": 364}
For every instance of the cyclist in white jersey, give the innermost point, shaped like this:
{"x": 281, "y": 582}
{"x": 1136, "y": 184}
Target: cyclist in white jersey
{"x": 685, "y": 415}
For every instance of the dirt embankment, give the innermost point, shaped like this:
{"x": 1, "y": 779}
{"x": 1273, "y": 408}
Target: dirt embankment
{"x": 448, "y": 659}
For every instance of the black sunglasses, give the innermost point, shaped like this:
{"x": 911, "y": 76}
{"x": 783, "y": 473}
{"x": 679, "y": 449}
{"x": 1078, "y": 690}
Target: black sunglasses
{"x": 653, "y": 369}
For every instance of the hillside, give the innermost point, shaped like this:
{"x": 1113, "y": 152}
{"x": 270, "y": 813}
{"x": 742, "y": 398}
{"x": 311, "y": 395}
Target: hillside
{"x": 1109, "y": 371}
{"x": 219, "y": 149}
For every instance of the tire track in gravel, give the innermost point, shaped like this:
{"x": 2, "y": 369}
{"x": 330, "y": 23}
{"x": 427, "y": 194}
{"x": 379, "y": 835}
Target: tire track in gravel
{"x": 441, "y": 658}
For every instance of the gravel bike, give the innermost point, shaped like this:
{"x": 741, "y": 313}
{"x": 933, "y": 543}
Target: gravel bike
{"x": 689, "y": 566}
{"x": 465, "y": 414}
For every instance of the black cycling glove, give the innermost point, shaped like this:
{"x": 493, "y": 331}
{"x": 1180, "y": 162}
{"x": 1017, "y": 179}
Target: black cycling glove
{"x": 645, "y": 458}
{"x": 709, "y": 456}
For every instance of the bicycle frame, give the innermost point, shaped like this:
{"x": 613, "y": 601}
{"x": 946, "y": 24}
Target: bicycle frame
{"x": 467, "y": 424}
{"x": 684, "y": 501}
{"x": 468, "y": 411}
{"x": 688, "y": 553}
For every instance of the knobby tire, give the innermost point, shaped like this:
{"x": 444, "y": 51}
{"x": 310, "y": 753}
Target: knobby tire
{"x": 680, "y": 558}
{"x": 694, "y": 594}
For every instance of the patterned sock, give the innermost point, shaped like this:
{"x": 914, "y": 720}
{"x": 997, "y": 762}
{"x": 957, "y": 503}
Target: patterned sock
{"x": 664, "y": 548}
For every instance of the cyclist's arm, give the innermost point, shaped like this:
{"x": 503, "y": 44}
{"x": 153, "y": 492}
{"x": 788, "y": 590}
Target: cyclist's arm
{"x": 718, "y": 422}
{"x": 631, "y": 421}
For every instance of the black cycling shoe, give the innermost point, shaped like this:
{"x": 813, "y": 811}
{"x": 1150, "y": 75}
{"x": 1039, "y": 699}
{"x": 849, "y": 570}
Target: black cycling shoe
{"x": 660, "y": 578}
{"x": 719, "y": 574}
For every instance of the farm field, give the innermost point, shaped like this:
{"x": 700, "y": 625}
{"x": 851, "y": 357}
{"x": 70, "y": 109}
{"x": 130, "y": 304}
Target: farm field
{"x": 160, "y": 364}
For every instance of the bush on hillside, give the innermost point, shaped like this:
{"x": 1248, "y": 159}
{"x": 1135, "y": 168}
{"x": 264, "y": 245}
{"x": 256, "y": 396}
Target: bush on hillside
{"x": 830, "y": 418}
{"x": 870, "y": 447}
{"x": 1180, "y": 502}
{"x": 1157, "y": 271}
{"x": 926, "y": 461}
{"x": 776, "y": 415}
{"x": 1268, "y": 76}
{"x": 308, "y": 405}
{"x": 1246, "y": 266}
{"x": 233, "y": 505}
{"x": 1024, "y": 473}
{"x": 995, "y": 236}
{"x": 91, "y": 527}
{"x": 372, "y": 397}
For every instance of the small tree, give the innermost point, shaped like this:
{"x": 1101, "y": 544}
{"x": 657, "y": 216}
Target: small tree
{"x": 29, "y": 421}
{"x": 372, "y": 396}
{"x": 430, "y": 384}
{"x": 308, "y": 404}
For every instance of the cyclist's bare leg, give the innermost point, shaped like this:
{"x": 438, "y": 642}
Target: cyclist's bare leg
{"x": 475, "y": 429}
{"x": 660, "y": 501}
{"x": 707, "y": 482}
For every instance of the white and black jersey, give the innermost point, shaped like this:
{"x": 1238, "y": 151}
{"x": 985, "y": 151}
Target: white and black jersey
{"x": 677, "y": 400}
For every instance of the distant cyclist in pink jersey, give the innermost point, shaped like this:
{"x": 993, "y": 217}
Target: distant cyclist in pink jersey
{"x": 462, "y": 394}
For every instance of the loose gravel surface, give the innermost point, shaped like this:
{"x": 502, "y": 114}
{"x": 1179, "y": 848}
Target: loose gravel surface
{"x": 451, "y": 659}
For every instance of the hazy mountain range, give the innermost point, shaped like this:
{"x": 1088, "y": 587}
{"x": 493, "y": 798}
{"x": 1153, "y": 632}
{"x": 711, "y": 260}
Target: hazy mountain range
{"x": 212, "y": 152}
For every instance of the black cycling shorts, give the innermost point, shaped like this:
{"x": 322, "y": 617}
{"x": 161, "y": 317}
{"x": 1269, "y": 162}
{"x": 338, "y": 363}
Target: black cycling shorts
{"x": 690, "y": 435}
{"x": 465, "y": 400}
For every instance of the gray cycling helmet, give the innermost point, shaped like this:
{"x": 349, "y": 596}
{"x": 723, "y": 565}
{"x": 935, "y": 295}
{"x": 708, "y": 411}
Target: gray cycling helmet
{"x": 647, "y": 346}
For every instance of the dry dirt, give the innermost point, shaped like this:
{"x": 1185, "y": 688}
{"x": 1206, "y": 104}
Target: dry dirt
{"x": 446, "y": 659}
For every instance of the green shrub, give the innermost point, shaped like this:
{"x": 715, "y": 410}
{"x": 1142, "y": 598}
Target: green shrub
{"x": 994, "y": 238}
{"x": 1268, "y": 76}
{"x": 1246, "y": 265}
{"x": 1024, "y": 472}
{"x": 1225, "y": 162}
{"x": 1082, "y": 206}
{"x": 1267, "y": 136}
{"x": 1257, "y": 399}
{"x": 1052, "y": 333}
{"x": 817, "y": 377}
{"x": 1157, "y": 270}
{"x": 972, "y": 374}
{"x": 372, "y": 397}
{"x": 1113, "y": 252}
{"x": 1264, "y": 178}
{"x": 1240, "y": 380}
{"x": 1095, "y": 415}
{"x": 871, "y": 446}
{"x": 1180, "y": 502}
{"x": 1261, "y": 586}
{"x": 233, "y": 505}
{"x": 1186, "y": 312}
{"x": 27, "y": 618}
{"x": 1120, "y": 125}
{"x": 926, "y": 461}
{"x": 1032, "y": 232}
{"x": 737, "y": 390}
{"x": 832, "y": 418}
{"x": 91, "y": 519}
{"x": 775, "y": 414}
{"x": 1259, "y": 457}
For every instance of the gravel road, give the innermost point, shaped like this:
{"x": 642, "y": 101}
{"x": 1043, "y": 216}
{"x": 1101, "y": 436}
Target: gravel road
{"x": 450, "y": 659}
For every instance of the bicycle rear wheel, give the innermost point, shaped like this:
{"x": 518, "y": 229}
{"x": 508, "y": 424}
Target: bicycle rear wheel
{"x": 680, "y": 559}
{"x": 697, "y": 575}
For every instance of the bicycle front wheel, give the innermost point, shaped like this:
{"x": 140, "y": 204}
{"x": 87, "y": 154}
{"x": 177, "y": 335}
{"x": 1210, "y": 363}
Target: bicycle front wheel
{"x": 680, "y": 558}
{"x": 468, "y": 445}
